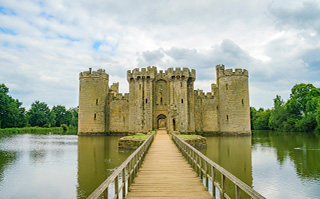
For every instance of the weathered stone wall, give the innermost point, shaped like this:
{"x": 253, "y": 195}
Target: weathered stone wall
{"x": 119, "y": 113}
{"x": 165, "y": 98}
{"x": 233, "y": 95}
{"x": 206, "y": 118}
{"x": 92, "y": 101}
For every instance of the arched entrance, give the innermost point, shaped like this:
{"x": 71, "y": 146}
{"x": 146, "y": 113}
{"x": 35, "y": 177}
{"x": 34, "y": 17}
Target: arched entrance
{"x": 174, "y": 124}
{"x": 162, "y": 121}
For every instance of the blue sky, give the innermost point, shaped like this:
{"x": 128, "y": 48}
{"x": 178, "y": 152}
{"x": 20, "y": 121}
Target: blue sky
{"x": 45, "y": 44}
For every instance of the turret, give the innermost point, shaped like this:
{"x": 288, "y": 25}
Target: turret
{"x": 233, "y": 100}
{"x": 93, "y": 92}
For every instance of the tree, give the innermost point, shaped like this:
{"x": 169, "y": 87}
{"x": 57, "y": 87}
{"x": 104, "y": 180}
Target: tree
{"x": 62, "y": 115}
{"x": 40, "y": 115}
{"x": 11, "y": 112}
{"x": 74, "y": 112}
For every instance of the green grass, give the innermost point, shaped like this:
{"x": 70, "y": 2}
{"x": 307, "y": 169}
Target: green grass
{"x": 38, "y": 130}
{"x": 186, "y": 136}
{"x": 138, "y": 136}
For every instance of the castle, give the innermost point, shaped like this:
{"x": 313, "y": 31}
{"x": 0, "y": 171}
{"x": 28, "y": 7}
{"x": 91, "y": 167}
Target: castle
{"x": 164, "y": 99}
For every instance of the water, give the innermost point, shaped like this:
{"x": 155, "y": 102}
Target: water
{"x": 56, "y": 166}
{"x": 277, "y": 165}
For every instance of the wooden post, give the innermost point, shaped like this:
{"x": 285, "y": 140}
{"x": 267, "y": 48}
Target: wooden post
{"x": 200, "y": 166}
{"x": 223, "y": 185}
{"x": 105, "y": 193}
{"x": 237, "y": 192}
{"x": 213, "y": 176}
{"x": 124, "y": 183}
{"x": 116, "y": 186}
{"x": 129, "y": 178}
{"x": 206, "y": 175}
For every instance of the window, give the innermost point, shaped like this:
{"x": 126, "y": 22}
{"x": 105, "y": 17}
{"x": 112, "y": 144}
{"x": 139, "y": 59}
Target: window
{"x": 146, "y": 101}
{"x": 182, "y": 101}
{"x": 242, "y": 102}
{"x": 227, "y": 118}
{"x": 161, "y": 87}
{"x": 180, "y": 84}
{"x": 95, "y": 116}
{"x": 97, "y": 101}
{"x": 226, "y": 86}
{"x": 161, "y": 100}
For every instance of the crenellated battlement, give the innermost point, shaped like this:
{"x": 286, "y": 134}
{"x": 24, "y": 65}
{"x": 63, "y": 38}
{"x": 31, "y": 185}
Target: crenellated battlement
{"x": 200, "y": 94}
{"x": 100, "y": 73}
{"x": 222, "y": 72}
{"x": 120, "y": 96}
{"x": 185, "y": 73}
{"x": 143, "y": 73}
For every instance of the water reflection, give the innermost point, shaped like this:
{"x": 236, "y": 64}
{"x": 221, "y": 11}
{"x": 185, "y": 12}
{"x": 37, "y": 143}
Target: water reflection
{"x": 233, "y": 154}
{"x": 98, "y": 156}
{"x": 303, "y": 149}
{"x": 286, "y": 165}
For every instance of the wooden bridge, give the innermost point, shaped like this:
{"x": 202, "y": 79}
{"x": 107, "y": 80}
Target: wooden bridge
{"x": 165, "y": 173}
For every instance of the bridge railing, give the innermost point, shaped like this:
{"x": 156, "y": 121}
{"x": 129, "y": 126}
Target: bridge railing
{"x": 124, "y": 174}
{"x": 207, "y": 170}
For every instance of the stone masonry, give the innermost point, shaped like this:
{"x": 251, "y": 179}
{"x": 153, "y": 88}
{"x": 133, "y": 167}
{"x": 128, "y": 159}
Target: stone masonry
{"x": 164, "y": 100}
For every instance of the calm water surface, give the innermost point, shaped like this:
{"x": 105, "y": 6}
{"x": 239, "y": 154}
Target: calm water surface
{"x": 56, "y": 166}
{"x": 277, "y": 165}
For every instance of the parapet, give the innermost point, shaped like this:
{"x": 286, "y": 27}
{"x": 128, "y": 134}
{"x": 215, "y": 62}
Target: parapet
{"x": 144, "y": 73}
{"x": 178, "y": 73}
{"x": 120, "y": 96}
{"x": 222, "y": 72}
{"x": 100, "y": 73}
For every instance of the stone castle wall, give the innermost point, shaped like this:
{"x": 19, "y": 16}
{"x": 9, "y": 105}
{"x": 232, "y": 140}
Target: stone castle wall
{"x": 164, "y": 99}
{"x": 93, "y": 92}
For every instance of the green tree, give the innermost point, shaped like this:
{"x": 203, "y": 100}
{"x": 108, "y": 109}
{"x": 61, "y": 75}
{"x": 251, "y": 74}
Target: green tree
{"x": 74, "y": 112}
{"x": 62, "y": 115}
{"x": 261, "y": 121}
{"x": 40, "y": 115}
{"x": 11, "y": 112}
{"x": 278, "y": 114}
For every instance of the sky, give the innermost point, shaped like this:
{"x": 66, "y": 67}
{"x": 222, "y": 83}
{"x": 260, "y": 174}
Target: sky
{"x": 44, "y": 45}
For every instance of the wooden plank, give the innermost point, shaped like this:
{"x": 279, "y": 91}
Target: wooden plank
{"x": 165, "y": 173}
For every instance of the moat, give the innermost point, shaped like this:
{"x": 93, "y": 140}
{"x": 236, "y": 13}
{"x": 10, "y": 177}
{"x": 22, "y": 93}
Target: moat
{"x": 277, "y": 165}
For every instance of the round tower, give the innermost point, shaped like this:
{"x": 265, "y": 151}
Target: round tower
{"x": 93, "y": 92}
{"x": 233, "y": 100}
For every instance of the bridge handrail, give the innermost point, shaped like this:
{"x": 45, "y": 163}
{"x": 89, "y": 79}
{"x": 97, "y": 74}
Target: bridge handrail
{"x": 127, "y": 170}
{"x": 200, "y": 164}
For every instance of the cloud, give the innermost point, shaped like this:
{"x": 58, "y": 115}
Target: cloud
{"x": 45, "y": 44}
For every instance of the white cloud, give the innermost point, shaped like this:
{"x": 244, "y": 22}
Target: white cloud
{"x": 45, "y": 44}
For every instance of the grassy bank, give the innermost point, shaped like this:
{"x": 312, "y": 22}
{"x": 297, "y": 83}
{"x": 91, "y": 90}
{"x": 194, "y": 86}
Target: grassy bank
{"x": 183, "y": 137}
{"x": 39, "y": 130}
{"x": 138, "y": 136}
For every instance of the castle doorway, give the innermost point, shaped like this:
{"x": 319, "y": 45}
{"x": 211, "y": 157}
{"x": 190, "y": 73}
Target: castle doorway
{"x": 174, "y": 124}
{"x": 162, "y": 121}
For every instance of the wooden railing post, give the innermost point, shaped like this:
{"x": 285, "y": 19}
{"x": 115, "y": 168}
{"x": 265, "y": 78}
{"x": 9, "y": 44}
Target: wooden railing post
{"x": 223, "y": 185}
{"x": 237, "y": 192}
{"x": 105, "y": 193}
{"x": 116, "y": 185}
{"x": 213, "y": 177}
{"x": 124, "y": 183}
{"x": 206, "y": 175}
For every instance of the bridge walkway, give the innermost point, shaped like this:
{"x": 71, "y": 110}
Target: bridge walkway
{"x": 166, "y": 174}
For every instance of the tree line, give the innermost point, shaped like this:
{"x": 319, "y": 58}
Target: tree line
{"x": 300, "y": 113}
{"x": 12, "y": 114}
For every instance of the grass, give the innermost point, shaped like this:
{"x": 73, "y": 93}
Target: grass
{"x": 38, "y": 130}
{"x": 138, "y": 136}
{"x": 183, "y": 137}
